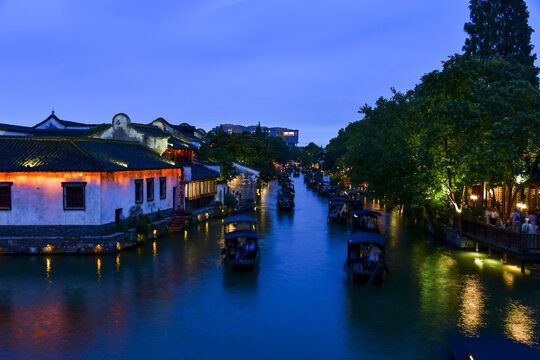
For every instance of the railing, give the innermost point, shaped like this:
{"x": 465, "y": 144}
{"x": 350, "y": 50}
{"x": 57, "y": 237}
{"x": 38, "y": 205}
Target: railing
{"x": 507, "y": 238}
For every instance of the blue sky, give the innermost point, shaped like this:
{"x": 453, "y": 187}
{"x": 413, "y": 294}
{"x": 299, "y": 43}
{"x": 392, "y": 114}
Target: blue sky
{"x": 301, "y": 64}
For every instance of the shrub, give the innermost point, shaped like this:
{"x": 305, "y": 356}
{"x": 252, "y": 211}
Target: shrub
{"x": 229, "y": 200}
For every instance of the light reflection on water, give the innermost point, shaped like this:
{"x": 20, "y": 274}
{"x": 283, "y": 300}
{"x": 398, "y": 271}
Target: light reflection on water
{"x": 472, "y": 308}
{"x": 520, "y": 322}
{"x": 181, "y": 302}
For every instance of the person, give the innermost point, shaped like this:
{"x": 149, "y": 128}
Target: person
{"x": 508, "y": 224}
{"x": 486, "y": 215}
{"x": 526, "y": 230}
{"x": 516, "y": 220}
{"x": 533, "y": 221}
{"x": 374, "y": 255}
{"x": 493, "y": 216}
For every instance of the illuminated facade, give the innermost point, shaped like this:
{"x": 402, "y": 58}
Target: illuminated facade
{"x": 61, "y": 181}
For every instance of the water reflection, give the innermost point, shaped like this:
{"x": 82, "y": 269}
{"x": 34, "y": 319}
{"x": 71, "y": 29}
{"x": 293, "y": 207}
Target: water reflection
{"x": 508, "y": 278}
{"x": 159, "y": 304}
{"x": 472, "y": 309}
{"x": 520, "y": 322}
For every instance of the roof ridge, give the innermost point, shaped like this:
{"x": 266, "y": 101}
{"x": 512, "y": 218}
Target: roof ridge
{"x": 96, "y": 161}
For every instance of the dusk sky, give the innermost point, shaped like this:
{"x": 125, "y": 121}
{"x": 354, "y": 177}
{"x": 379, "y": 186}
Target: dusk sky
{"x": 308, "y": 65}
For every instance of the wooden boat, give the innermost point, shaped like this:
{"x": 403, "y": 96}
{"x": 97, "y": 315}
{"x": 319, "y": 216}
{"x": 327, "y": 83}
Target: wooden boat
{"x": 338, "y": 209}
{"x": 365, "y": 248}
{"x": 241, "y": 249}
{"x": 459, "y": 347}
{"x": 285, "y": 200}
{"x": 356, "y": 198}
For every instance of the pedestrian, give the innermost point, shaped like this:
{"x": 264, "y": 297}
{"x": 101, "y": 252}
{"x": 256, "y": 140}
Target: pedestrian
{"x": 526, "y": 230}
{"x": 516, "y": 220}
{"x": 493, "y": 216}
{"x": 486, "y": 215}
{"x": 533, "y": 221}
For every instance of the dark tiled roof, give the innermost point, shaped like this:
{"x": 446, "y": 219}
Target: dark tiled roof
{"x": 184, "y": 130}
{"x": 199, "y": 172}
{"x": 150, "y": 130}
{"x": 180, "y": 144}
{"x": 63, "y": 122}
{"x": 63, "y": 154}
{"x": 43, "y": 132}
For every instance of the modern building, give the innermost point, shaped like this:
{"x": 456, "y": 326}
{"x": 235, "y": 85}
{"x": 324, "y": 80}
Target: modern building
{"x": 290, "y": 136}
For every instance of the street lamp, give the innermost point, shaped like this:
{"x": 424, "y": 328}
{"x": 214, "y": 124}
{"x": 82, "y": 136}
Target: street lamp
{"x": 522, "y": 206}
{"x": 474, "y": 197}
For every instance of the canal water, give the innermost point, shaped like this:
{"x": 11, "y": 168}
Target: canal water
{"x": 172, "y": 298}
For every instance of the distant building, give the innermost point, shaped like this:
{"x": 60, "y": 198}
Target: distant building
{"x": 290, "y": 136}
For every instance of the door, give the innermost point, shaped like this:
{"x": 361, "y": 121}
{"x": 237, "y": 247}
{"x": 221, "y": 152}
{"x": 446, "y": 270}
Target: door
{"x": 174, "y": 198}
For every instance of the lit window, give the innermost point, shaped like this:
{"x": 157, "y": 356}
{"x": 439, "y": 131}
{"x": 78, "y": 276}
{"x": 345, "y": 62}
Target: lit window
{"x": 5, "y": 195}
{"x": 162, "y": 188}
{"x": 74, "y": 195}
{"x": 138, "y": 191}
{"x": 149, "y": 189}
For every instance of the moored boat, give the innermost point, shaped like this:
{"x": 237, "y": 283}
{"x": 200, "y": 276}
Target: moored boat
{"x": 241, "y": 248}
{"x": 285, "y": 200}
{"x": 365, "y": 247}
{"x": 338, "y": 210}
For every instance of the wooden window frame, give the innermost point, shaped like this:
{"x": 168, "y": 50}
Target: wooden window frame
{"x": 6, "y": 185}
{"x": 162, "y": 188}
{"x": 150, "y": 189}
{"x": 74, "y": 184}
{"x": 139, "y": 182}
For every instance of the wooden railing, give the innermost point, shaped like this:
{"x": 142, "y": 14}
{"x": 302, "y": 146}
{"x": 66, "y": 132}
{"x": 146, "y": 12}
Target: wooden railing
{"x": 507, "y": 238}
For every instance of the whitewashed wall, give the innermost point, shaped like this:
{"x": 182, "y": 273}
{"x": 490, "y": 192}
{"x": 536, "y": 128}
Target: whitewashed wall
{"x": 121, "y": 130}
{"x": 38, "y": 198}
{"x": 118, "y": 192}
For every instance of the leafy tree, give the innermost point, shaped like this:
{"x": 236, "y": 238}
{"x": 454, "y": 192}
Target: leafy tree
{"x": 499, "y": 28}
{"x": 256, "y": 150}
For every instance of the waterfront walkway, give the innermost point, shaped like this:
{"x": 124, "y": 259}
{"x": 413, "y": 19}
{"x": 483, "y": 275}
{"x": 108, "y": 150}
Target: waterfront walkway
{"x": 525, "y": 248}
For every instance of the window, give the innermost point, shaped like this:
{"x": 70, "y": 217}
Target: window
{"x": 138, "y": 191}
{"x": 5, "y": 195}
{"x": 74, "y": 195}
{"x": 149, "y": 189}
{"x": 162, "y": 188}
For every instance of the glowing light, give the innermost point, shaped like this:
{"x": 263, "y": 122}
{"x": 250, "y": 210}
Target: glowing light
{"x": 154, "y": 249}
{"x": 118, "y": 246}
{"x": 48, "y": 248}
{"x": 474, "y": 197}
{"x": 48, "y": 267}
{"x": 140, "y": 237}
{"x": 207, "y": 215}
{"x": 98, "y": 263}
{"x": 199, "y": 217}
{"x": 119, "y": 163}
{"x": 154, "y": 233}
{"x": 522, "y": 206}
{"x": 117, "y": 263}
{"x": 479, "y": 263}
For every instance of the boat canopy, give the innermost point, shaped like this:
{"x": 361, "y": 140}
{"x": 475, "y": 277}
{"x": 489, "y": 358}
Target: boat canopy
{"x": 242, "y": 233}
{"x": 238, "y": 218}
{"x": 359, "y": 213}
{"x": 338, "y": 198}
{"x": 361, "y": 237}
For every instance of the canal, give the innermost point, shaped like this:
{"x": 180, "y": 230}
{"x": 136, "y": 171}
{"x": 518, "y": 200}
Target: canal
{"x": 172, "y": 298}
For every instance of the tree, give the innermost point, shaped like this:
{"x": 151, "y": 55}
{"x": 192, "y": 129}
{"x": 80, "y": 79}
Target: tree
{"x": 499, "y": 28}
{"x": 478, "y": 116}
